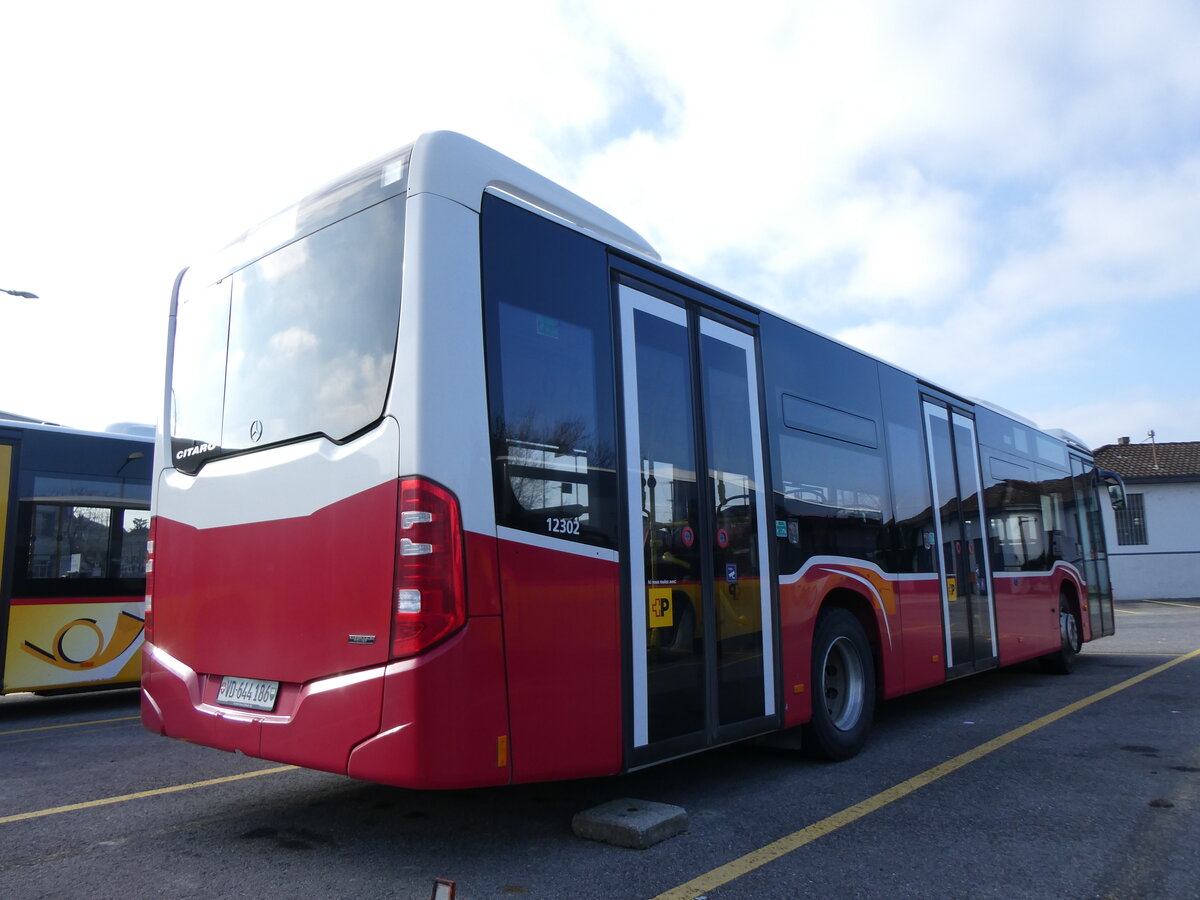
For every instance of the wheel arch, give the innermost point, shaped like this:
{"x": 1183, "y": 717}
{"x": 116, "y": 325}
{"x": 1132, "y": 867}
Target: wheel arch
{"x": 1069, "y": 593}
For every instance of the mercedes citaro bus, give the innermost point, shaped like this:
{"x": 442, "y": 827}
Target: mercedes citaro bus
{"x": 458, "y": 484}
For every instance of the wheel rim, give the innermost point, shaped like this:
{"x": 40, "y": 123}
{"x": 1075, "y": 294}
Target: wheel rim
{"x": 1070, "y": 632}
{"x": 842, "y": 684}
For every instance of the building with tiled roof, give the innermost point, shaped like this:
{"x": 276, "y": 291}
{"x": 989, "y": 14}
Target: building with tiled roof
{"x": 1154, "y": 543}
{"x": 1152, "y": 461}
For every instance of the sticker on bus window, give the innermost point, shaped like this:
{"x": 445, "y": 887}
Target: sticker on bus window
{"x": 661, "y": 614}
{"x": 951, "y": 587}
{"x": 394, "y": 171}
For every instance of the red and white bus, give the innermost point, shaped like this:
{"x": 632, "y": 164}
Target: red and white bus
{"x": 459, "y": 485}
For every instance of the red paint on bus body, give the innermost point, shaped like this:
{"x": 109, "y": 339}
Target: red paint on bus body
{"x": 924, "y": 633}
{"x": 1026, "y": 616}
{"x": 797, "y": 617}
{"x": 280, "y": 599}
{"x": 562, "y": 642}
{"x": 444, "y": 716}
{"x": 1027, "y": 609}
{"x": 314, "y": 725}
{"x": 483, "y": 575}
{"x": 433, "y": 721}
{"x": 72, "y": 601}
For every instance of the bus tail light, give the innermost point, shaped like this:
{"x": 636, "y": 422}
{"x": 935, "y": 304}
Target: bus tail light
{"x": 149, "y": 621}
{"x": 429, "y": 596}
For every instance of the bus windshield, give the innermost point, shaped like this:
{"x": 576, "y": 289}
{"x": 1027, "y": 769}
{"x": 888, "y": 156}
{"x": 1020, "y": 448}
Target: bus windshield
{"x": 297, "y": 343}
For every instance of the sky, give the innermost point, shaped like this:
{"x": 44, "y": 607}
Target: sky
{"x": 1003, "y": 197}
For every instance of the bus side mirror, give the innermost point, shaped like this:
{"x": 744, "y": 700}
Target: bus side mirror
{"x": 1116, "y": 496}
{"x": 1116, "y": 487}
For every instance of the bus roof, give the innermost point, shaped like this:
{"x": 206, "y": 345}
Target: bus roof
{"x": 23, "y": 424}
{"x": 461, "y": 169}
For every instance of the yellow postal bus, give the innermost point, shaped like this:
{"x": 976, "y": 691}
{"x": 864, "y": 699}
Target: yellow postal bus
{"x": 74, "y": 518}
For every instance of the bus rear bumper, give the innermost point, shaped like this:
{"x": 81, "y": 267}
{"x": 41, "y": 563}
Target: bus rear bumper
{"x": 438, "y": 720}
{"x": 322, "y": 719}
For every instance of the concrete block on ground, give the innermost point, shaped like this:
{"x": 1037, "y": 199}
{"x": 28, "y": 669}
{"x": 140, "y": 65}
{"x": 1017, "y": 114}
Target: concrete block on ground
{"x": 637, "y": 824}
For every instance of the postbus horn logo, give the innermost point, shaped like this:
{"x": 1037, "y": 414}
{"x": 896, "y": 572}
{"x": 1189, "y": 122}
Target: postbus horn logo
{"x": 129, "y": 628}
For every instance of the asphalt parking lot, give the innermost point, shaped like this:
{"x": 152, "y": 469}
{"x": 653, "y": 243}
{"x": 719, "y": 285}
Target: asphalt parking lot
{"x": 1010, "y": 784}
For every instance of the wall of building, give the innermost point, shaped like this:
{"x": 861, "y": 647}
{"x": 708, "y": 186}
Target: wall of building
{"x": 1168, "y": 566}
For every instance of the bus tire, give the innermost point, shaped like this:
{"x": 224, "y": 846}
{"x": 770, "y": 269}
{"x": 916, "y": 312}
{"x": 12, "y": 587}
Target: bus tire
{"x": 1062, "y": 660}
{"x": 843, "y": 684}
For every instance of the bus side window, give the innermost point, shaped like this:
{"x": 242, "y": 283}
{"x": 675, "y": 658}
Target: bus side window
{"x": 79, "y": 550}
{"x": 833, "y": 498}
{"x": 548, "y": 338}
{"x": 69, "y": 541}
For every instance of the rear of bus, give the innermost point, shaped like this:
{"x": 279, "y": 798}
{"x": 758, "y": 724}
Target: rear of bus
{"x": 323, "y": 584}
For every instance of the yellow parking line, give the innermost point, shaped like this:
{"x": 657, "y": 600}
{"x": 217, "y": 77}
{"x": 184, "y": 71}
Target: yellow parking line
{"x": 70, "y": 725}
{"x": 72, "y": 807}
{"x": 743, "y": 865}
{"x": 1132, "y": 612}
{"x": 1169, "y": 603}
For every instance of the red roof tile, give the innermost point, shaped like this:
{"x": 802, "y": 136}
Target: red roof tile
{"x": 1146, "y": 460}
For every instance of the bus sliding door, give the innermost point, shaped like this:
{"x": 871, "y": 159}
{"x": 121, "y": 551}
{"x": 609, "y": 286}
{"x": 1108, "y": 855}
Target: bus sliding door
{"x": 967, "y": 610}
{"x": 699, "y": 599}
{"x": 1091, "y": 550}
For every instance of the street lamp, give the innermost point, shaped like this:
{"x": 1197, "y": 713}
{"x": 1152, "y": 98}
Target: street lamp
{"x": 25, "y": 294}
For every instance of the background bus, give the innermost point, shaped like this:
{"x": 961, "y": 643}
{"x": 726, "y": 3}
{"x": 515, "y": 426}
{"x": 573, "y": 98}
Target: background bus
{"x": 74, "y": 517}
{"x": 459, "y": 485}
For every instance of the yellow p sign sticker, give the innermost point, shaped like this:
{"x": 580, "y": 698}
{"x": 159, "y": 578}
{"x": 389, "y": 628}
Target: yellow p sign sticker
{"x": 661, "y": 613}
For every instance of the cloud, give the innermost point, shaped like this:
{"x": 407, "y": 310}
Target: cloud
{"x": 903, "y": 157}
{"x": 292, "y": 342}
{"x": 979, "y": 192}
{"x": 1110, "y": 236}
{"x": 1111, "y": 248}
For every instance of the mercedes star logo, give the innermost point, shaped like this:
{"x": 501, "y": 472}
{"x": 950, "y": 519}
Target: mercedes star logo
{"x": 255, "y": 430}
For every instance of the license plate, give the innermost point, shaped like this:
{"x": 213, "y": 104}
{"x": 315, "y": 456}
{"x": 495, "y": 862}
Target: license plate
{"x": 250, "y": 693}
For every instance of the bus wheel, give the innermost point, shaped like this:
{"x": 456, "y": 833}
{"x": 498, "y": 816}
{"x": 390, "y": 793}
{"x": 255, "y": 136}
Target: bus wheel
{"x": 1062, "y": 661}
{"x": 843, "y": 682}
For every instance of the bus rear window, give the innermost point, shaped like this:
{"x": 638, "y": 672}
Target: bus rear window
{"x": 297, "y": 343}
